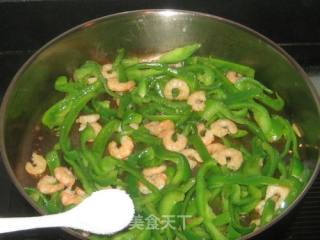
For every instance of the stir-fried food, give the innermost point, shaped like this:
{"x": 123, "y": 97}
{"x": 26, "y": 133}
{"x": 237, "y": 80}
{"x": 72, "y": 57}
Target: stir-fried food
{"x": 184, "y": 135}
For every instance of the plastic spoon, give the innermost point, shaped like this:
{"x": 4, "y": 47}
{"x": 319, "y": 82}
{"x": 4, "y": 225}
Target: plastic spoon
{"x": 103, "y": 212}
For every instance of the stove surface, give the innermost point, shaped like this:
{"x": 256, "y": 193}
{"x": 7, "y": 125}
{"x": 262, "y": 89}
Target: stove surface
{"x": 303, "y": 223}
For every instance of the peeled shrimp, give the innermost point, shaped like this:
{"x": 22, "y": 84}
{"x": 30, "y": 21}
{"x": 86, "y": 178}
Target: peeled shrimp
{"x": 113, "y": 81}
{"x": 278, "y": 194}
{"x": 222, "y": 127}
{"x": 172, "y": 145}
{"x": 159, "y": 128}
{"x": 115, "y": 85}
{"x": 69, "y": 197}
{"x": 231, "y": 157}
{"x": 233, "y": 76}
{"x": 85, "y": 119}
{"x": 206, "y": 135}
{"x": 260, "y": 206}
{"x": 192, "y": 156}
{"x": 107, "y": 72}
{"x": 197, "y": 101}
{"x": 214, "y": 148}
{"x": 92, "y": 80}
{"x": 96, "y": 127}
{"x": 124, "y": 150}
{"x": 158, "y": 180}
{"x": 49, "y": 185}
{"x": 154, "y": 170}
{"x": 64, "y": 176}
{"x": 178, "y": 84}
{"x": 37, "y": 165}
{"x": 154, "y": 175}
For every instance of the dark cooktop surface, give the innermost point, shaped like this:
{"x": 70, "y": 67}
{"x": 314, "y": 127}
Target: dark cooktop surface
{"x": 27, "y": 25}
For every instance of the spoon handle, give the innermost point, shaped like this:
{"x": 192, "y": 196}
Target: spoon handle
{"x": 25, "y": 223}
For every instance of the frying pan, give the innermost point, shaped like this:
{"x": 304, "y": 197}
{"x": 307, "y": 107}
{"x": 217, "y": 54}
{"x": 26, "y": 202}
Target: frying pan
{"x": 144, "y": 32}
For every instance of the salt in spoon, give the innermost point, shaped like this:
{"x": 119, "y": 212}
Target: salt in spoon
{"x": 103, "y": 212}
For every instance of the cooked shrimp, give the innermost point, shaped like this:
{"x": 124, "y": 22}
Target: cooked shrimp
{"x": 154, "y": 170}
{"x": 124, "y": 150}
{"x": 159, "y": 128}
{"x": 49, "y": 185}
{"x": 158, "y": 180}
{"x": 113, "y": 81}
{"x": 206, "y": 135}
{"x": 197, "y": 101}
{"x": 214, "y": 148}
{"x": 115, "y": 85}
{"x": 233, "y": 76}
{"x": 260, "y": 206}
{"x": 69, "y": 197}
{"x": 37, "y": 165}
{"x": 172, "y": 145}
{"x": 222, "y": 127}
{"x": 64, "y": 176}
{"x": 178, "y": 84}
{"x": 192, "y": 156}
{"x": 85, "y": 119}
{"x": 231, "y": 157}
{"x": 107, "y": 71}
{"x": 92, "y": 80}
{"x": 96, "y": 127}
{"x": 278, "y": 194}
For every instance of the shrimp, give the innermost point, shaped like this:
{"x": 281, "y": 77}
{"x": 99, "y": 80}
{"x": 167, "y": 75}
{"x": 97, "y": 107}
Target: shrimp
{"x": 37, "y": 165}
{"x": 159, "y": 180}
{"x": 154, "y": 175}
{"x": 172, "y": 145}
{"x": 222, "y": 127}
{"x": 124, "y": 150}
{"x": 215, "y": 148}
{"x": 107, "y": 72}
{"x": 92, "y": 80}
{"x": 197, "y": 101}
{"x": 159, "y": 128}
{"x": 178, "y": 84}
{"x": 192, "y": 156}
{"x": 154, "y": 170}
{"x": 113, "y": 81}
{"x": 233, "y": 77}
{"x": 49, "y": 185}
{"x": 69, "y": 197}
{"x": 231, "y": 157}
{"x": 64, "y": 176}
{"x": 278, "y": 194}
{"x": 206, "y": 135}
{"x": 96, "y": 128}
{"x": 260, "y": 206}
{"x": 85, "y": 119}
{"x": 115, "y": 85}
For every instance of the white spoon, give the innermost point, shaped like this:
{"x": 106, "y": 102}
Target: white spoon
{"x": 104, "y": 212}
